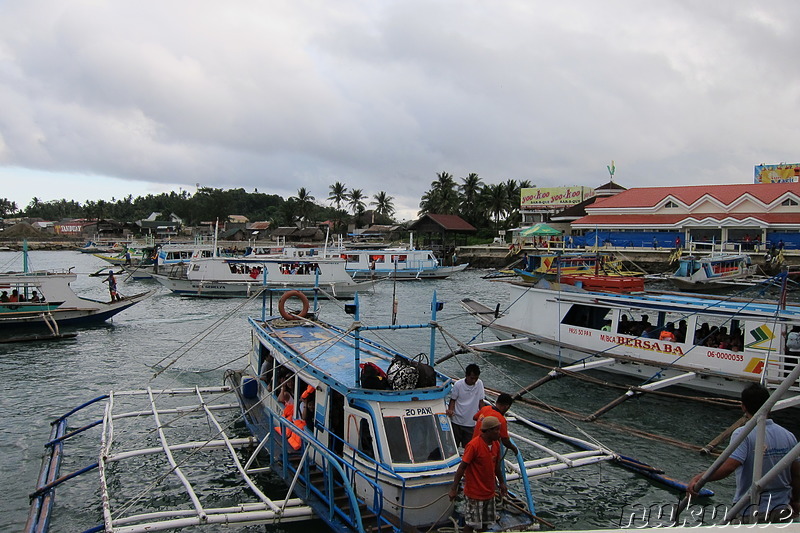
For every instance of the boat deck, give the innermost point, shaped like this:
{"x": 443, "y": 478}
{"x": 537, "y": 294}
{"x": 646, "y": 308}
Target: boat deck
{"x": 329, "y": 351}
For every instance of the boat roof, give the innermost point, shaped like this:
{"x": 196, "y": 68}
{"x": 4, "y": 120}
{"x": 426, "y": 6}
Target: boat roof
{"x": 328, "y": 354}
{"x": 665, "y": 299}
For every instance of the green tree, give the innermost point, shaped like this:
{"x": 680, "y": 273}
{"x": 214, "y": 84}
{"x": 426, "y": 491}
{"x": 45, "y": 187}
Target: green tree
{"x": 338, "y": 194}
{"x": 355, "y": 199}
{"x": 442, "y": 198}
{"x": 470, "y": 190}
{"x": 495, "y": 198}
{"x": 305, "y": 201}
{"x": 7, "y": 207}
{"x": 383, "y": 204}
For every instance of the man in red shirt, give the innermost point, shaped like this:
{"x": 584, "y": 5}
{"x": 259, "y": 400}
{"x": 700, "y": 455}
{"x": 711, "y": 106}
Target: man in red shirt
{"x": 498, "y": 410}
{"x": 480, "y": 466}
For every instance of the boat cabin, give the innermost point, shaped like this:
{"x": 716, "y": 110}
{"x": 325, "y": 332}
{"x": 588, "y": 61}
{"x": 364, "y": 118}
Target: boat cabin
{"x": 398, "y": 443}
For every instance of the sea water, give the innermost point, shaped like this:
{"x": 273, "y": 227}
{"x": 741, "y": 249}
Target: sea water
{"x": 41, "y": 381}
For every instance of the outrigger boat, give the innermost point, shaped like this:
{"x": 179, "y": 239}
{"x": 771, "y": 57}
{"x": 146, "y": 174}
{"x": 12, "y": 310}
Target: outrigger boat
{"x": 48, "y": 300}
{"x": 715, "y": 271}
{"x": 551, "y": 265}
{"x": 712, "y": 344}
{"x": 358, "y": 457}
{"x": 222, "y": 277}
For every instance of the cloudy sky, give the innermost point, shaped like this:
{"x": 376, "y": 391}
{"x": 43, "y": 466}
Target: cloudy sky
{"x": 101, "y": 99}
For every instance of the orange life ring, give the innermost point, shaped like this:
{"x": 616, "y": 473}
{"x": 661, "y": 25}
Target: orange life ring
{"x": 282, "y": 305}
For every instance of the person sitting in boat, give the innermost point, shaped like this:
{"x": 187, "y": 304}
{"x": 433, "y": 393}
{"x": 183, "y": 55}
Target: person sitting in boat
{"x": 480, "y": 467}
{"x": 4, "y": 296}
{"x": 606, "y": 325}
{"x": 668, "y": 334}
{"x": 624, "y": 325}
{"x": 498, "y": 410}
{"x": 35, "y": 297}
{"x": 680, "y": 333}
{"x": 701, "y": 335}
{"x": 14, "y": 296}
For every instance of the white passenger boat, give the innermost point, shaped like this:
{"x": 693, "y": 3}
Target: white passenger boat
{"x": 712, "y": 344}
{"x": 222, "y": 277}
{"x": 397, "y": 263}
{"x": 715, "y": 271}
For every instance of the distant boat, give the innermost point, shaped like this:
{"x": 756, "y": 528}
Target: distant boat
{"x": 397, "y": 263}
{"x": 61, "y": 304}
{"x": 223, "y": 277}
{"x": 551, "y": 265}
{"x": 714, "y": 271}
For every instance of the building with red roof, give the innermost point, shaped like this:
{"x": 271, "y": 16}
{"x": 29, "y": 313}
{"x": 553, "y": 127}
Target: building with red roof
{"x": 740, "y": 213}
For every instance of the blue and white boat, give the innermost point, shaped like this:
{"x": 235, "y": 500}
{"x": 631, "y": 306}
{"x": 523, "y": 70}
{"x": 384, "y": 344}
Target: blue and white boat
{"x": 356, "y": 456}
{"x": 715, "y": 271}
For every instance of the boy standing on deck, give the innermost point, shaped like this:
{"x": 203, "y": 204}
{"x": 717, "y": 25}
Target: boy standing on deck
{"x": 465, "y": 400}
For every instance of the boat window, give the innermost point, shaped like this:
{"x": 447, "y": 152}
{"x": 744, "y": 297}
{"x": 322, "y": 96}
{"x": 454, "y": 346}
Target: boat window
{"x": 351, "y": 258}
{"x": 399, "y": 258}
{"x": 719, "y": 332}
{"x": 587, "y": 316}
{"x": 397, "y": 445}
{"x": 424, "y": 437}
{"x": 365, "y": 439}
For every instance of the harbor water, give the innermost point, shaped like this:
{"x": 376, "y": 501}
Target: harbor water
{"x": 43, "y": 380}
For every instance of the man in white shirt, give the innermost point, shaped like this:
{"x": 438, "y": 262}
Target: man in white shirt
{"x": 465, "y": 400}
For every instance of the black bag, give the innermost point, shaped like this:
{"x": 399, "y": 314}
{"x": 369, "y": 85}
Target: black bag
{"x": 427, "y": 375}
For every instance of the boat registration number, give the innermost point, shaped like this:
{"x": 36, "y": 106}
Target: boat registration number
{"x": 419, "y": 411}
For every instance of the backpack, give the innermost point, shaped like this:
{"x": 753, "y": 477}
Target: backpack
{"x": 402, "y": 375}
{"x": 373, "y": 377}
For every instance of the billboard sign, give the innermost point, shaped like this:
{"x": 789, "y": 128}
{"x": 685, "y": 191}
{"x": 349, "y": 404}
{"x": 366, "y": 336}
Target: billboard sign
{"x": 554, "y": 196}
{"x": 783, "y": 173}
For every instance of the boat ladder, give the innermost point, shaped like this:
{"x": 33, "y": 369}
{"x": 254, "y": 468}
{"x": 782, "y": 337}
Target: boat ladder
{"x": 162, "y": 420}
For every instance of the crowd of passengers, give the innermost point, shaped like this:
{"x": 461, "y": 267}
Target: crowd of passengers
{"x": 711, "y": 336}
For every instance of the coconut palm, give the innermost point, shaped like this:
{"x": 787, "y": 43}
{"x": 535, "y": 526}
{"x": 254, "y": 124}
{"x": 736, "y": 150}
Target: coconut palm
{"x": 495, "y": 198}
{"x": 383, "y": 204}
{"x": 442, "y": 198}
{"x": 355, "y": 199}
{"x": 305, "y": 200}
{"x": 470, "y": 190}
{"x": 338, "y": 194}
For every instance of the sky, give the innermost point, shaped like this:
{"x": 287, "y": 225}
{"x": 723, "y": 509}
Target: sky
{"x": 101, "y": 99}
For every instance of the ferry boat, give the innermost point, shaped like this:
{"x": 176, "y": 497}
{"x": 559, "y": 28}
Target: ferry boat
{"x": 222, "y": 277}
{"x": 397, "y": 263}
{"x": 715, "y": 271}
{"x": 712, "y": 344}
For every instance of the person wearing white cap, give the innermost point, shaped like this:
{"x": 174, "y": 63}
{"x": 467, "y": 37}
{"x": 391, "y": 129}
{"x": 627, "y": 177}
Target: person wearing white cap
{"x": 480, "y": 468}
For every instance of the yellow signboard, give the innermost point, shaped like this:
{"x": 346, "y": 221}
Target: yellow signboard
{"x": 554, "y": 196}
{"x": 783, "y": 173}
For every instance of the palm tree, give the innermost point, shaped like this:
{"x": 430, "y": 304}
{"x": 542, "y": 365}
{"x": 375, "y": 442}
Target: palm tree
{"x": 442, "y": 198}
{"x": 470, "y": 190}
{"x": 305, "y": 201}
{"x": 383, "y": 204}
{"x": 496, "y": 201}
{"x": 338, "y": 194}
{"x": 7, "y": 207}
{"x": 355, "y": 199}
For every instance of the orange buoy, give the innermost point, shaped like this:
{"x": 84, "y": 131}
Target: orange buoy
{"x": 282, "y": 305}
